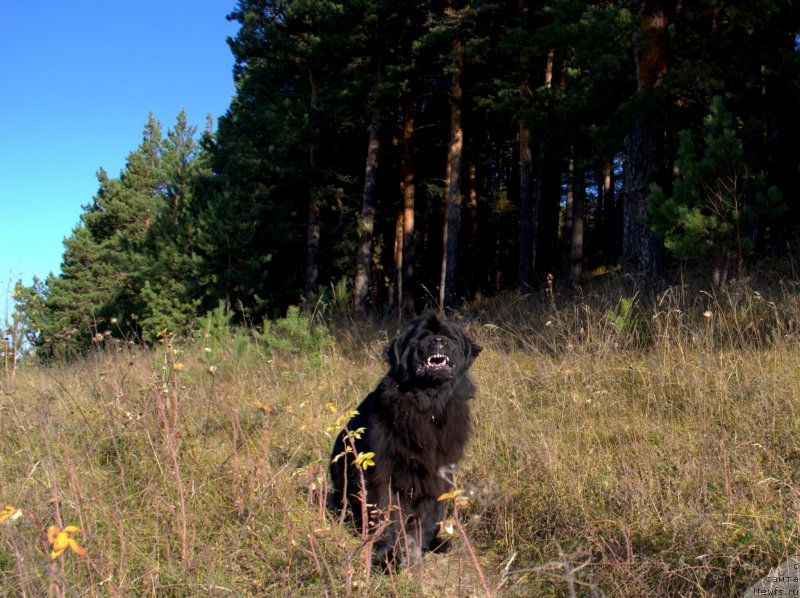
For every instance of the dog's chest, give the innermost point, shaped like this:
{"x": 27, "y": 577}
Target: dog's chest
{"x": 434, "y": 438}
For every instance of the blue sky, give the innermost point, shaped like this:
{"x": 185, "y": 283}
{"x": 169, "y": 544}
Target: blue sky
{"x": 77, "y": 82}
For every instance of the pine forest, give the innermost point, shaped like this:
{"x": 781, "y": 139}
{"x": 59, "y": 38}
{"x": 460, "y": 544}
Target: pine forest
{"x": 393, "y": 155}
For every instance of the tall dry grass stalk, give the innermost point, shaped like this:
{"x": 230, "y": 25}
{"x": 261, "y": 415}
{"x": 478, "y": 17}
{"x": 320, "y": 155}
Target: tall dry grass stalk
{"x": 624, "y": 444}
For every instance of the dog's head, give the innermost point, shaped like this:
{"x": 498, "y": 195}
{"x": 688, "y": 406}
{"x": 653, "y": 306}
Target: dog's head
{"x": 430, "y": 351}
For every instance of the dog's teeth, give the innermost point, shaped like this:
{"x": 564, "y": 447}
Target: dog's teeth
{"x": 438, "y": 360}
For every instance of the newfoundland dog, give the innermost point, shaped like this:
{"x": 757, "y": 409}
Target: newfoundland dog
{"x": 415, "y": 424}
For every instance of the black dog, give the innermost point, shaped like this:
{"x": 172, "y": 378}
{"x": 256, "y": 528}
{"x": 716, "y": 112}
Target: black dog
{"x": 416, "y": 423}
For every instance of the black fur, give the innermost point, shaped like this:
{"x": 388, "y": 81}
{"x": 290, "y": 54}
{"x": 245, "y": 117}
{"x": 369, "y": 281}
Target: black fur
{"x": 416, "y": 422}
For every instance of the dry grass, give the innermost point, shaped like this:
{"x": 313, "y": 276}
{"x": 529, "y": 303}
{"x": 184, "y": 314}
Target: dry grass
{"x": 642, "y": 449}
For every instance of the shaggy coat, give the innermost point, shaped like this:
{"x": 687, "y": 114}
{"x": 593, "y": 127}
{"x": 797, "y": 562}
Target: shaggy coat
{"x": 416, "y": 422}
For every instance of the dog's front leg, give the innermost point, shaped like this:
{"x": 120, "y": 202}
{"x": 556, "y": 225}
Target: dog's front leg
{"x": 431, "y": 513}
{"x": 386, "y": 522}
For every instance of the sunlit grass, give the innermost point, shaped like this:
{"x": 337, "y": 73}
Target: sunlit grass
{"x": 637, "y": 445}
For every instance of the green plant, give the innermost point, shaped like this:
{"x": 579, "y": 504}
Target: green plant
{"x": 716, "y": 201}
{"x": 338, "y": 299}
{"x": 623, "y": 318}
{"x": 296, "y": 333}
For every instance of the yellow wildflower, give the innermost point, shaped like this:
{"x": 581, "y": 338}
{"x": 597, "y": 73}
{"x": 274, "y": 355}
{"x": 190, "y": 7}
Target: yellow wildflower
{"x": 457, "y": 496}
{"x": 449, "y": 495}
{"x": 9, "y": 512}
{"x": 61, "y": 539}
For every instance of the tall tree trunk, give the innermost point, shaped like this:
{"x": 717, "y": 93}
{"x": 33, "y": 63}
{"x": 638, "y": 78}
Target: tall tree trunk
{"x": 312, "y": 247}
{"x": 527, "y": 242}
{"x": 475, "y": 282}
{"x": 409, "y": 190}
{"x": 526, "y": 216}
{"x": 367, "y": 224}
{"x": 642, "y": 253}
{"x": 396, "y": 290}
{"x": 578, "y": 210}
{"x": 610, "y": 228}
{"x": 313, "y": 230}
{"x": 566, "y": 237}
{"x": 448, "y": 289}
{"x": 538, "y": 192}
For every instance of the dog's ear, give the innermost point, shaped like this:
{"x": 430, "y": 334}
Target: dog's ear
{"x": 391, "y": 354}
{"x": 476, "y": 349}
{"x": 473, "y": 350}
{"x": 396, "y": 353}
{"x": 469, "y": 349}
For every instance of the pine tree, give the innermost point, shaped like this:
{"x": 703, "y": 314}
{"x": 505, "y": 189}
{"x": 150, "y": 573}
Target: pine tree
{"x": 125, "y": 262}
{"x": 97, "y": 294}
{"x": 715, "y": 201}
{"x": 170, "y": 295}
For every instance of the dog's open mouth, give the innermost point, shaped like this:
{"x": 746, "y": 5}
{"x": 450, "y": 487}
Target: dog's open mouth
{"x": 437, "y": 362}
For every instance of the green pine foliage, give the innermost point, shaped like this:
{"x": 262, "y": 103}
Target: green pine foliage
{"x": 128, "y": 267}
{"x": 170, "y": 295}
{"x": 294, "y": 334}
{"x": 716, "y": 203}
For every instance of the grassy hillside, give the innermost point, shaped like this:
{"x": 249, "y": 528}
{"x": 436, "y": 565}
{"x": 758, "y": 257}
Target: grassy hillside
{"x": 624, "y": 445}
